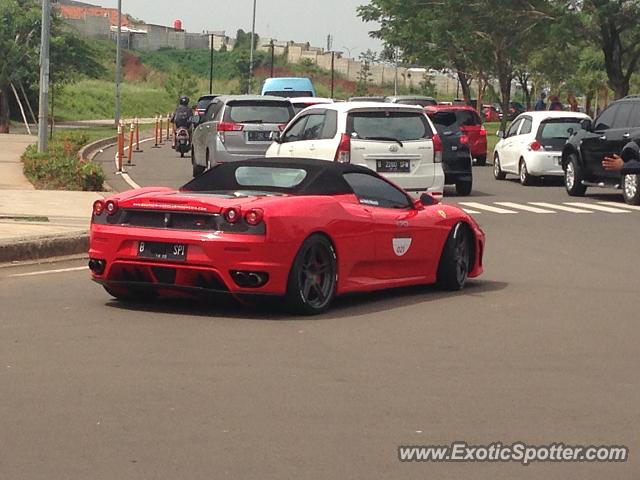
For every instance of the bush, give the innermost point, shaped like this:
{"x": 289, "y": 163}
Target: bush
{"x": 60, "y": 168}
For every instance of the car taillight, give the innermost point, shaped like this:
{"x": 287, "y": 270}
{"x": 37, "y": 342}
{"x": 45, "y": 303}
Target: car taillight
{"x": 232, "y": 214}
{"x": 254, "y": 216}
{"x": 437, "y": 148}
{"x": 535, "y": 146}
{"x": 230, "y": 127}
{"x": 464, "y": 140}
{"x": 343, "y": 154}
{"x": 98, "y": 207}
{"x": 483, "y": 132}
{"x": 111, "y": 207}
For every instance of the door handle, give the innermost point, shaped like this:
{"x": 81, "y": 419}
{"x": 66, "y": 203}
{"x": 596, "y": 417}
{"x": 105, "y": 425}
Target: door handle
{"x": 626, "y": 135}
{"x": 312, "y": 147}
{"x": 603, "y": 137}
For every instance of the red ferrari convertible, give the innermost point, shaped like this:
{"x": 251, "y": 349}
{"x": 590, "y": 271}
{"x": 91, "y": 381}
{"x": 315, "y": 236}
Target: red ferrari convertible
{"x": 304, "y": 229}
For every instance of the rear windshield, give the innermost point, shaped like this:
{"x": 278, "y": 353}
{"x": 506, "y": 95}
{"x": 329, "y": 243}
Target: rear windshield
{"x": 256, "y": 111}
{"x": 289, "y": 93}
{"x": 444, "y": 120}
{"x": 301, "y": 106}
{"x": 204, "y": 103}
{"x": 270, "y": 176}
{"x": 467, "y": 118}
{"x": 558, "y": 129}
{"x": 388, "y": 124}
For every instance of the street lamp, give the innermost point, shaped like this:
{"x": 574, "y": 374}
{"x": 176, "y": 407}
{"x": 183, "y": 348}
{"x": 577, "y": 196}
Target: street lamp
{"x": 349, "y": 50}
{"x": 253, "y": 32}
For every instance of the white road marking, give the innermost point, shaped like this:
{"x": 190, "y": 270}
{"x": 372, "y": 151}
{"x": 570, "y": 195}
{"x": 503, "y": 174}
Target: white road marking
{"x": 46, "y": 272}
{"x": 562, "y": 208}
{"x": 129, "y": 180}
{"x": 621, "y": 205}
{"x": 488, "y": 208}
{"x": 599, "y": 208}
{"x": 526, "y": 208}
{"x": 472, "y": 212}
{"x": 115, "y": 157}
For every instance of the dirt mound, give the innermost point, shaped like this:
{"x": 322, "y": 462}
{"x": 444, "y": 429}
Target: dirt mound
{"x": 133, "y": 69}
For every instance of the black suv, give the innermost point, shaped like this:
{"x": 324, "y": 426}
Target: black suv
{"x": 582, "y": 156}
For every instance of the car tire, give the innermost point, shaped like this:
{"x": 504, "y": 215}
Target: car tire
{"x": 526, "y": 179}
{"x": 131, "y": 294}
{"x": 481, "y": 160}
{"x": 463, "y": 188}
{"x": 455, "y": 261}
{"x": 313, "y": 277}
{"x": 197, "y": 170}
{"x": 573, "y": 178}
{"x": 631, "y": 189}
{"x": 498, "y": 174}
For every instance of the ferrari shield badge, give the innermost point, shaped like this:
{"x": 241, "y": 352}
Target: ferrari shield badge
{"x": 442, "y": 213}
{"x": 401, "y": 245}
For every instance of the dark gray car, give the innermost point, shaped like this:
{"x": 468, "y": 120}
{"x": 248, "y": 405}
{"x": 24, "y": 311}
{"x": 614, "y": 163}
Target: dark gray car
{"x": 237, "y": 127}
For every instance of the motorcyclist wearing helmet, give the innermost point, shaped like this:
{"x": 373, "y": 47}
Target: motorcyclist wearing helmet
{"x": 182, "y": 116}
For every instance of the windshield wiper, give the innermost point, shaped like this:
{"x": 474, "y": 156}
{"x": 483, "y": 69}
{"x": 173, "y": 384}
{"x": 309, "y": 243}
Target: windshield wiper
{"x": 391, "y": 139}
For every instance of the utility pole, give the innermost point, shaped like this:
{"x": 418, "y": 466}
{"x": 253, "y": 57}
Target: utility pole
{"x": 271, "y": 44}
{"x": 211, "y": 63}
{"x": 395, "y": 78}
{"x": 333, "y": 54}
{"x": 118, "y": 63}
{"x": 253, "y": 33}
{"x": 43, "y": 108}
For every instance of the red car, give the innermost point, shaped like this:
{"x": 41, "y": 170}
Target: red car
{"x": 470, "y": 123}
{"x": 490, "y": 113}
{"x": 307, "y": 230}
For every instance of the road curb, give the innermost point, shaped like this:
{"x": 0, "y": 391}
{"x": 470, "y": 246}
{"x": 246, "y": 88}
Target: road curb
{"x": 35, "y": 248}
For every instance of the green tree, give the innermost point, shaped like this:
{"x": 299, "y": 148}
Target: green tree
{"x": 181, "y": 83}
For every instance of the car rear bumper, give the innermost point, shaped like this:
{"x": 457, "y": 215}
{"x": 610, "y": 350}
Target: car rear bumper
{"x": 547, "y": 163}
{"x": 211, "y": 257}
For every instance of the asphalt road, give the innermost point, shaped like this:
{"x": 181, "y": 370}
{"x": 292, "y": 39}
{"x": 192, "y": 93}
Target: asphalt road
{"x": 543, "y": 348}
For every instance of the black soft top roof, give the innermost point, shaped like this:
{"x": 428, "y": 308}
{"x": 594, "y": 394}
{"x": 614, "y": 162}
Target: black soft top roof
{"x": 323, "y": 177}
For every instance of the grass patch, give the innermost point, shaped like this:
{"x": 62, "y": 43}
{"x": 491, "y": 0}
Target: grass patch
{"x": 491, "y": 128}
{"x": 60, "y": 168}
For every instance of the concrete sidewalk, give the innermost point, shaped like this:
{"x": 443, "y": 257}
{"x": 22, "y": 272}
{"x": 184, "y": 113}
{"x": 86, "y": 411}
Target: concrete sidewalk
{"x": 37, "y": 223}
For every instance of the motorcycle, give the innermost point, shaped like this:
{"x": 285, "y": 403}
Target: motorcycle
{"x": 183, "y": 141}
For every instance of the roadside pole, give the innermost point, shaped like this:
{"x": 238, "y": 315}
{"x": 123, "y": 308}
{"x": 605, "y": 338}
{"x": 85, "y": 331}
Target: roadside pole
{"x": 211, "y": 63}
{"x": 118, "y": 62}
{"x": 333, "y": 54}
{"x": 253, "y": 33}
{"x": 395, "y": 76}
{"x": 43, "y": 108}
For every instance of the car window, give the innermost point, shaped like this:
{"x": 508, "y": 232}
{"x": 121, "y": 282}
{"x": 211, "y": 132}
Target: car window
{"x": 513, "y": 129}
{"x": 634, "y": 119}
{"x": 289, "y": 93}
{"x": 313, "y": 127}
{"x": 294, "y": 132}
{"x": 212, "y": 109}
{"x": 257, "y": 111}
{"x": 252, "y": 176}
{"x": 605, "y": 120}
{"x": 374, "y": 191}
{"x": 558, "y": 129}
{"x": 444, "y": 120}
{"x": 526, "y": 126}
{"x": 467, "y": 118}
{"x": 622, "y": 115}
{"x": 330, "y": 127}
{"x": 401, "y": 126}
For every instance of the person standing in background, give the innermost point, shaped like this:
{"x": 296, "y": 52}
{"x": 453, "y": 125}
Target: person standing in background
{"x": 555, "y": 103}
{"x": 573, "y": 103}
{"x": 540, "y": 104}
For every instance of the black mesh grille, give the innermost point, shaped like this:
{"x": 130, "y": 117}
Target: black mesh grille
{"x": 171, "y": 220}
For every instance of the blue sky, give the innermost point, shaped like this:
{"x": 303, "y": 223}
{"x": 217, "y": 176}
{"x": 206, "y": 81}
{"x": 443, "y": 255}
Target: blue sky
{"x": 298, "y": 20}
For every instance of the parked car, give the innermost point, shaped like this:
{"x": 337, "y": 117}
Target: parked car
{"x": 289, "y": 87}
{"x": 456, "y": 156}
{"x": 203, "y": 103}
{"x": 367, "y": 99}
{"x": 299, "y": 229}
{"x": 300, "y": 103}
{"x": 398, "y": 141}
{"x": 582, "y": 156}
{"x": 470, "y": 123}
{"x": 490, "y": 113}
{"x": 412, "y": 100}
{"x": 532, "y": 145}
{"x": 236, "y": 128}
{"x": 515, "y": 109}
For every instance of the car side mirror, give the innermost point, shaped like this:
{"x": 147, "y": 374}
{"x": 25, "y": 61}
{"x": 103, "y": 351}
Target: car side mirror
{"x": 426, "y": 199}
{"x": 501, "y": 134}
{"x": 195, "y": 119}
{"x": 586, "y": 124}
{"x": 275, "y": 137}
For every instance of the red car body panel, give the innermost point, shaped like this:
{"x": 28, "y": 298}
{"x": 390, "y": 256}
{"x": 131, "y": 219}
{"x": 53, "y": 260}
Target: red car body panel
{"x": 476, "y": 133}
{"x": 362, "y": 236}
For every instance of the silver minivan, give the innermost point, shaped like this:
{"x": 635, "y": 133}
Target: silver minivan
{"x": 237, "y": 127}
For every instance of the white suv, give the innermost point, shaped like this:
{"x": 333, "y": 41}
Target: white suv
{"x": 398, "y": 141}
